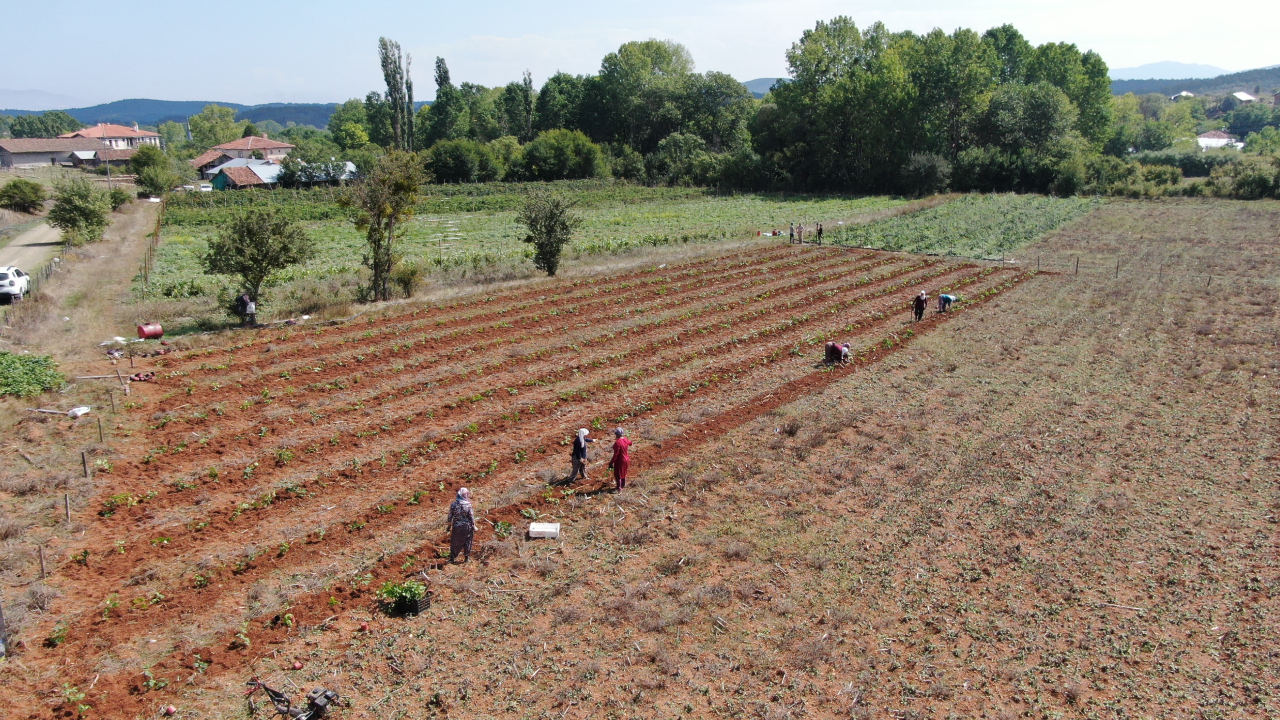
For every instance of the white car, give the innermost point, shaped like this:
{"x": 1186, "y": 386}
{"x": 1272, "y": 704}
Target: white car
{"x": 13, "y": 283}
{"x": 206, "y": 187}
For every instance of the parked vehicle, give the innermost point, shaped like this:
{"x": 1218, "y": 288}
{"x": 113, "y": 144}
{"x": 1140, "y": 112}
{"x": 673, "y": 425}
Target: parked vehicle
{"x": 206, "y": 187}
{"x": 13, "y": 283}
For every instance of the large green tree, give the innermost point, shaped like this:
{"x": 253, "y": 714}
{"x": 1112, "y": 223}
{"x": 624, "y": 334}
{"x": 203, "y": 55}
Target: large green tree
{"x": 559, "y": 102}
{"x": 518, "y": 103}
{"x": 255, "y": 246}
{"x": 383, "y": 200}
{"x": 952, "y": 75}
{"x": 215, "y": 125}
{"x": 399, "y": 97}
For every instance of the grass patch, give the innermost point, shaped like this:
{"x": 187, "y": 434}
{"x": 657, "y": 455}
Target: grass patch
{"x": 471, "y": 228}
{"x": 981, "y": 226}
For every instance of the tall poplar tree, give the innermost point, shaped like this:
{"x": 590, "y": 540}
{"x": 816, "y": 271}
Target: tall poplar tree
{"x": 395, "y": 71}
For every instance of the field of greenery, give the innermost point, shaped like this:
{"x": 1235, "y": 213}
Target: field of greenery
{"x": 472, "y": 228}
{"x": 979, "y": 226}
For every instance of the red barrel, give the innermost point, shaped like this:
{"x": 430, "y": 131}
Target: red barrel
{"x": 150, "y": 331}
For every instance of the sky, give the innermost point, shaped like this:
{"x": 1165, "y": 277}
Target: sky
{"x": 323, "y": 51}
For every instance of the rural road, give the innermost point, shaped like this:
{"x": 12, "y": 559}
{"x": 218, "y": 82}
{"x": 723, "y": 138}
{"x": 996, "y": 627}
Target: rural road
{"x": 32, "y": 248}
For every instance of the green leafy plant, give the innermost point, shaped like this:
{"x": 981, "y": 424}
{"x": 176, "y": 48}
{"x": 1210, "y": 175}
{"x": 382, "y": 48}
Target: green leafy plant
{"x": 28, "y": 375}
{"x": 502, "y": 529}
{"x": 397, "y": 591}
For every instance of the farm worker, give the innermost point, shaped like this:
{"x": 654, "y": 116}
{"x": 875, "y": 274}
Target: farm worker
{"x": 919, "y": 304}
{"x": 800, "y": 234}
{"x": 837, "y": 353}
{"x": 251, "y": 313}
{"x": 944, "y": 302}
{"x": 819, "y": 233}
{"x": 579, "y": 455}
{"x": 791, "y": 233}
{"x": 462, "y": 526}
{"x": 621, "y": 461}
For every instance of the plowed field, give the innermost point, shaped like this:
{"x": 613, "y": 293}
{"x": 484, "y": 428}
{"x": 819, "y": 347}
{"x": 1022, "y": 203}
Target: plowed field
{"x": 283, "y": 479}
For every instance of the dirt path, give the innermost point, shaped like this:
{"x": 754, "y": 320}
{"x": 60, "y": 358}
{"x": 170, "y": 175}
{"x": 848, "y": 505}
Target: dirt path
{"x": 32, "y": 248}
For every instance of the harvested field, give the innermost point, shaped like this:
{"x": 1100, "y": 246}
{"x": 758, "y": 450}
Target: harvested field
{"x": 1059, "y": 500}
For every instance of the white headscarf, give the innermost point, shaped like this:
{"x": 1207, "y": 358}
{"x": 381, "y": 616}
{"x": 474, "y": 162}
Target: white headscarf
{"x": 582, "y": 434}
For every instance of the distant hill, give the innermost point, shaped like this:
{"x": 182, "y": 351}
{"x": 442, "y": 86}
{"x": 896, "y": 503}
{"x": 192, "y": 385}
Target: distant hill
{"x": 154, "y": 112}
{"x": 1166, "y": 70}
{"x": 760, "y": 86}
{"x": 1267, "y": 78}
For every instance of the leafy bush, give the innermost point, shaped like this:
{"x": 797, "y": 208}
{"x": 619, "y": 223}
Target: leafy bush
{"x": 79, "y": 210}
{"x": 22, "y": 196}
{"x": 462, "y": 161}
{"x": 27, "y": 375}
{"x": 407, "y": 275}
{"x": 1249, "y": 179}
{"x": 564, "y": 155}
{"x": 407, "y": 590}
{"x": 118, "y": 197}
{"x": 1192, "y": 164}
{"x": 926, "y": 174}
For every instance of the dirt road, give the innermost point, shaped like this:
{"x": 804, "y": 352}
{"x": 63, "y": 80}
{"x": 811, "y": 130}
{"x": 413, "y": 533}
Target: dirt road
{"x": 32, "y": 248}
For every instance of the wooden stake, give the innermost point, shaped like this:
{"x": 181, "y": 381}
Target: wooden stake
{"x": 84, "y": 458}
{"x": 1077, "y": 266}
{"x": 1210, "y": 281}
{"x": 1161, "y": 272}
{"x": 1117, "y": 268}
{"x": 100, "y": 438}
{"x": 120, "y": 378}
{"x": 43, "y": 574}
{"x": 4, "y": 632}
{"x": 113, "y": 401}
{"x": 66, "y": 504}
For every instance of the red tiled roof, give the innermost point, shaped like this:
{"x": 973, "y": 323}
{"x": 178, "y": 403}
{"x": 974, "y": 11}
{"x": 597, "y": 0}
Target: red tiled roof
{"x": 1215, "y": 135}
{"x": 242, "y": 176}
{"x": 253, "y": 142}
{"x": 117, "y": 154}
{"x": 107, "y": 130}
{"x": 32, "y": 145}
{"x": 208, "y": 157}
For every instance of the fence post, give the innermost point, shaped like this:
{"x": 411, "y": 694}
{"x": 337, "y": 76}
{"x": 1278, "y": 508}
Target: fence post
{"x": 66, "y": 504}
{"x": 84, "y": 458}
{"x": 1117, "y": 268}
{"x": 100, "y": 437}
{"x": 40, "y": 550}
{"x": 1210, "y": 281}
{"x": 1077, "y": 266}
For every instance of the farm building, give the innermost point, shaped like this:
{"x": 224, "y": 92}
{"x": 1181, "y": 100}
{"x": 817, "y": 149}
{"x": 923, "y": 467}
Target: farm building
{"x": 30, "y": 152}
{"x": 1181, "y": 95}
{"x": 206, "y": 164}
{"x": 117, "y": 137}
{"x": 240, "y": 174}
{"x": 95, "y": 158}
{"x": 273, "y": 150}
{"x": 1244, "y": 97}
{"x": 1217, "y": 139}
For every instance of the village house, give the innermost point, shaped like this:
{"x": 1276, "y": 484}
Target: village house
{"x": 117, "y": 137}
{"x": 1217, "y": 139}
{"x": 245, "y": 147}
{"x": 243, "y": 173}
{"x": 207, "y": 163}
{"x": 97, "y": 158}
{"x": 1244, "y": 97}
{"x": 31, "y": 152}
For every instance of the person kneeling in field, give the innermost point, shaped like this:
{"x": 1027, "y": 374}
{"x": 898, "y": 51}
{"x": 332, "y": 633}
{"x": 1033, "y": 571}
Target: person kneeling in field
{"x": 837, "y": 353}
{"x": 944, "y": 302}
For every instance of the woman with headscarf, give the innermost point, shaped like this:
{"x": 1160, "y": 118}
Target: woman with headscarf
{"x": 579, "y": 455}
{"x": 621, "y": 461}
{"x": 462, "y": 526}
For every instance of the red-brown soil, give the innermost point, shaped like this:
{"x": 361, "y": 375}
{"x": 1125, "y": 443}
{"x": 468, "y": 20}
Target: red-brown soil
{"x": 1033, "y": 505}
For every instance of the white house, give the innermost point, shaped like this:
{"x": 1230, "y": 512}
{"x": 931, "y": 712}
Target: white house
{"x": 117, "y": 137}
{"x": 1244, "y": 97}
{"x": 1217, "y": 139}
{"x": 245, "y": 147}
